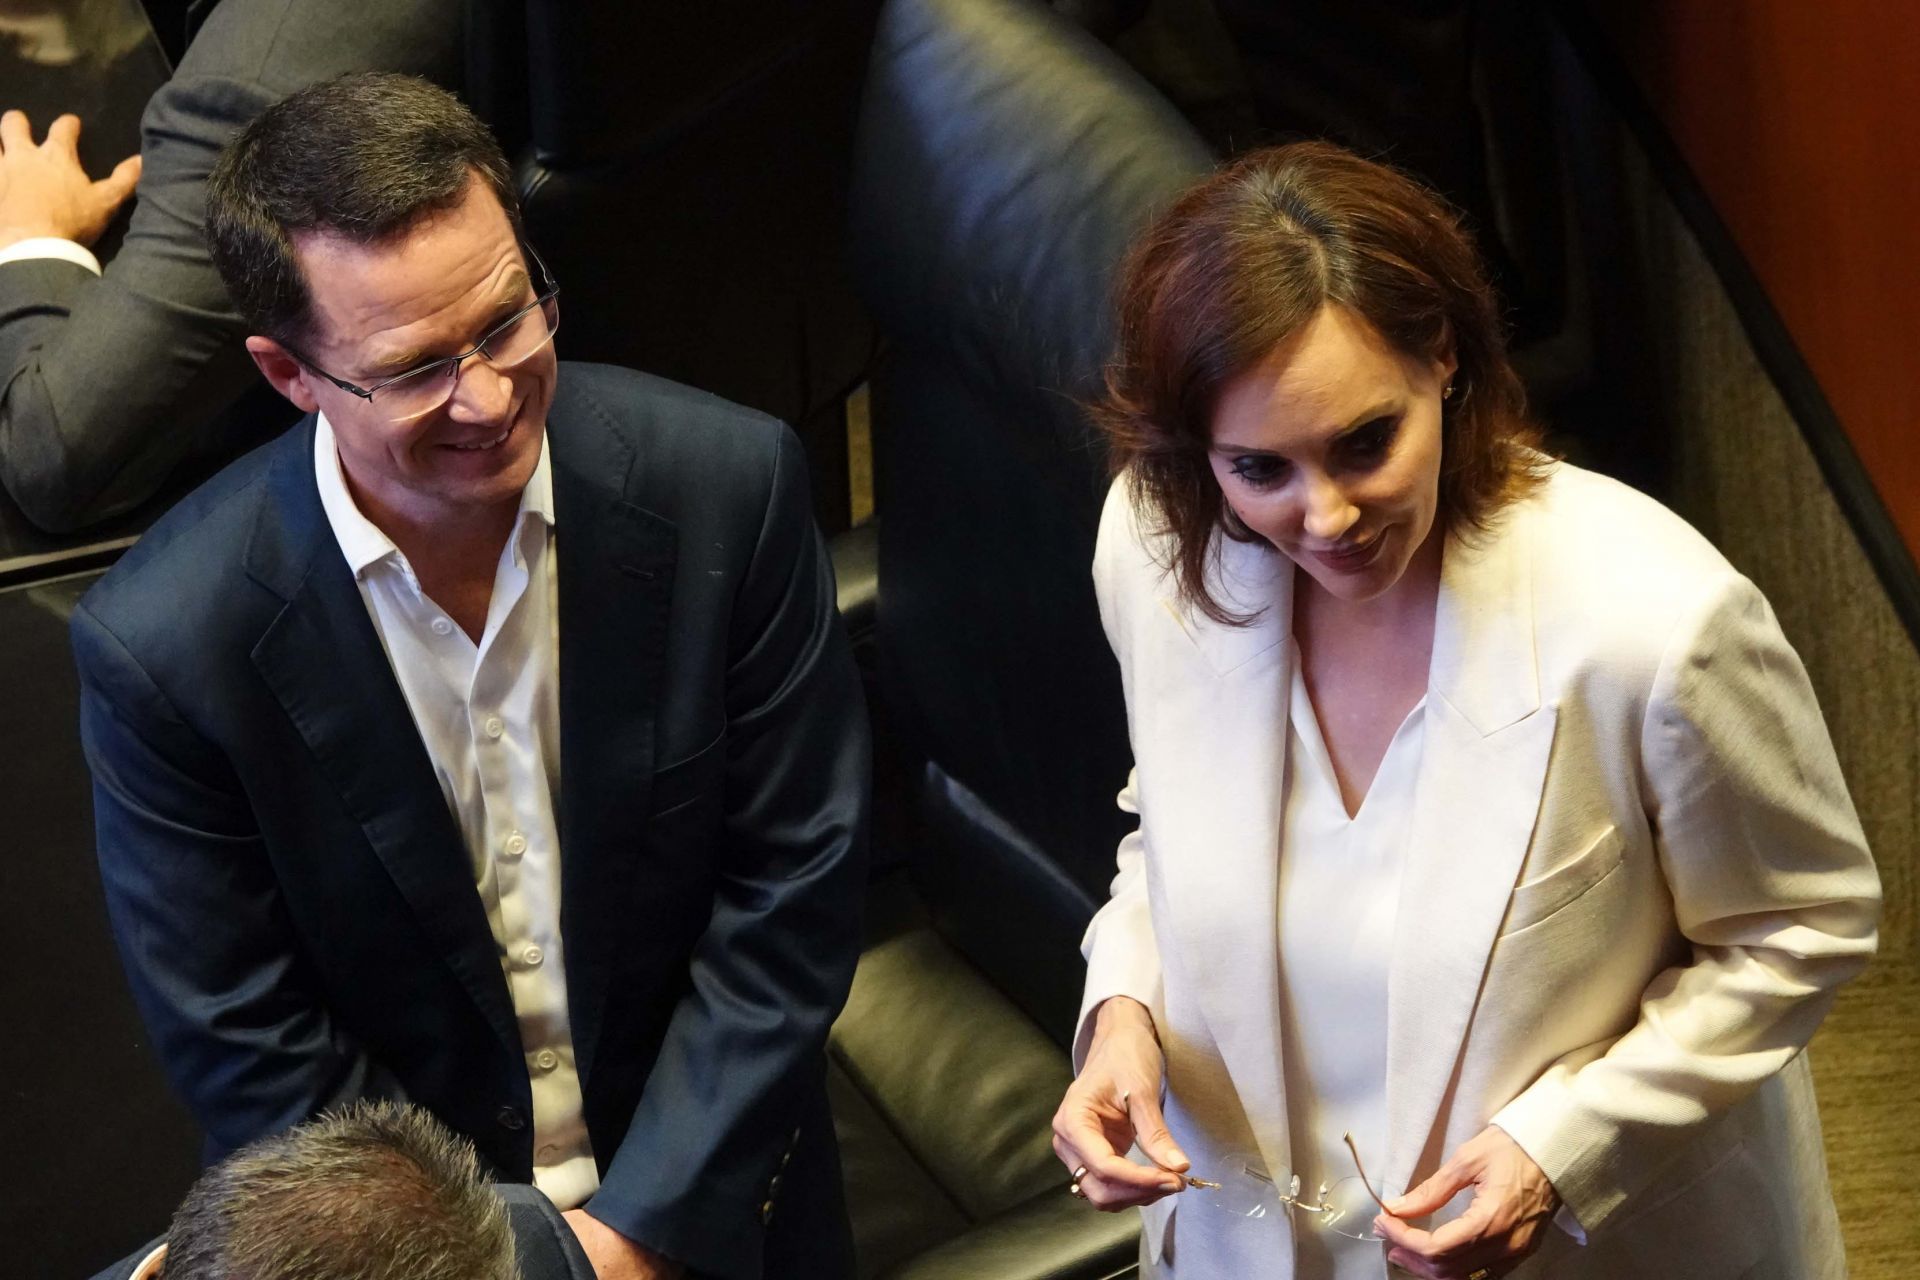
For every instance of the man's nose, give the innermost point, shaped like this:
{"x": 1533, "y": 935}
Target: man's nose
{"x": 1329, "y": 513}
{"x": 481, "y": 393}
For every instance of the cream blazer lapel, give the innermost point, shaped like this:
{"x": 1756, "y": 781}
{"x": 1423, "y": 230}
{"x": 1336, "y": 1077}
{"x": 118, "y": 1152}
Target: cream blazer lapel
{"x": 1212, "y": 741}
{"x": 1215, "y": 730}
{"x": 1482, "y": 771}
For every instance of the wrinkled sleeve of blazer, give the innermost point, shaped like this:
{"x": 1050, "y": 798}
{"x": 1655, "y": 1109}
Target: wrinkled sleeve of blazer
{"x": 1123, "y": 958}
{"x": 1772, "y": 887}
{"x": 769, "y": 975}
{"x": 107, "y": 382}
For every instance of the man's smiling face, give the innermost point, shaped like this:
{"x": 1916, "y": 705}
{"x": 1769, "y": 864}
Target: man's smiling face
{"x": 381, "y": 309}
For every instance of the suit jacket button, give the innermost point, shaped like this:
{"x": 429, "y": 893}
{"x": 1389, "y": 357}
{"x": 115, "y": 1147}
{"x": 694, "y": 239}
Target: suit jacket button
{"x": 766, "y": 1212}
{"x": 509, "y": 1118}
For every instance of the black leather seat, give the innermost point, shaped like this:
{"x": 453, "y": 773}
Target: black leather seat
{"x": 1004, "y": 159}
{"x": 687, "y": 183}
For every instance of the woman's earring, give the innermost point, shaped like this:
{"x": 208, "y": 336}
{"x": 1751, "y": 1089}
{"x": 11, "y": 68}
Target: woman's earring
{"x": 1446, "y": 392}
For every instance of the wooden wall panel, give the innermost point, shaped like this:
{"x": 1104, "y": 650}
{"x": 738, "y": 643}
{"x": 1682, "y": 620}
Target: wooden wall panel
{"x": 1799, "y": 119}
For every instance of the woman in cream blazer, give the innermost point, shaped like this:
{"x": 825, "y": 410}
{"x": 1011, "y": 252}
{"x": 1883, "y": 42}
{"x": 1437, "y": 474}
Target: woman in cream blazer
{"x": 1632, "y": 882}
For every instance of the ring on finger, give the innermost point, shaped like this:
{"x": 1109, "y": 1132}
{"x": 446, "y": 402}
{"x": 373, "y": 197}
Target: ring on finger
{"x": 1480, "y": 1273}
{"x": 1073, "y": 1188}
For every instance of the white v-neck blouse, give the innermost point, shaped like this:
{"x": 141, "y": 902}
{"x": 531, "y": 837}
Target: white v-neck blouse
{"x": 1339, "y": 889}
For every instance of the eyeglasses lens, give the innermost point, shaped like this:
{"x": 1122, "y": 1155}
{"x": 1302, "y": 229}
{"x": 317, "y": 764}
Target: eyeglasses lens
{"x": 1246, "y": 1190}
{"x": 419, "y": 394}
{"x": 1348, "y": 1209}
{"x": 1243, "y": 1188}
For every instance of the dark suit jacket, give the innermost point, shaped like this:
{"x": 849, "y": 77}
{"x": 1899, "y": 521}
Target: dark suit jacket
{"x": 107, "y": 383}
{"x": 544, "y": 1245}
{"x": 293, "y": 901}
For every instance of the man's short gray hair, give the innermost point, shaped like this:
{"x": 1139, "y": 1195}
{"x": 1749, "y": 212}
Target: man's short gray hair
{"x": 374, "y": 1191}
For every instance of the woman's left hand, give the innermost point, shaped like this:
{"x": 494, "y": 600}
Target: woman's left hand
{"x": 1513, "y": 1203}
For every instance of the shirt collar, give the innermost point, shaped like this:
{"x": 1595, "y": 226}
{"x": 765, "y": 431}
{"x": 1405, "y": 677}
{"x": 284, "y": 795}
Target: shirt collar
{"x": 360, "y": 539}
{"x": 151, "y": 1266}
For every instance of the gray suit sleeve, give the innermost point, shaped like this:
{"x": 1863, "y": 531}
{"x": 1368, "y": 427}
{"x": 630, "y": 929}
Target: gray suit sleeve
{"x": 109, "y": 382}
{"x": 106, "y": 384}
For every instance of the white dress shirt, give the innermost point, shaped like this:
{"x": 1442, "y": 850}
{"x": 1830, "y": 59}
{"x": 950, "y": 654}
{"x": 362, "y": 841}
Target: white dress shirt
{"x": 50, "y": 247}
{"x": 152, "y": 1266}
{"x": 489, "y": 717}
{"x": 1339, "y": 890}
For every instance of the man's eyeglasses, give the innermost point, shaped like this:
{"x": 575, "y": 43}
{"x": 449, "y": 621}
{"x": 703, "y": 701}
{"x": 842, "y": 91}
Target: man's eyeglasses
{"x": 1243, "y": 1188}
{"x": 412, "y": 395}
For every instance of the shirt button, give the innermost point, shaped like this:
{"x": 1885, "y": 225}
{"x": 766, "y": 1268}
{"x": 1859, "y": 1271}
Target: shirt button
{"x": 532, "y": 957}
{"x": 546, "y": 1060}
{"x": 548, "y": 1153}
{"x": 514, "y": 845}
{"x": 441, "y": 627}
{"x": 495, "y": 726}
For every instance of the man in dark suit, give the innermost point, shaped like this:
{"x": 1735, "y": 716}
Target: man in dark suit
{"x": 489, "y": 739}
{"x": 108, "y": 381}
{"x": 375, "y": 1191}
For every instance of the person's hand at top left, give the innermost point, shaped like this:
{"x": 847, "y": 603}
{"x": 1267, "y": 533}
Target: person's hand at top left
{"x": 614, "y": 1257}
{"x": 44, "y": 191}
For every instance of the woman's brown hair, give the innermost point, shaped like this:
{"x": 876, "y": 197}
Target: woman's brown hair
{"x": 1243, "y": 261}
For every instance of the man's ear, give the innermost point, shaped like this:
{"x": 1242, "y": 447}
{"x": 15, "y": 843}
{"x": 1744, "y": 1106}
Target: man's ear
{"x": 288, "y": 376}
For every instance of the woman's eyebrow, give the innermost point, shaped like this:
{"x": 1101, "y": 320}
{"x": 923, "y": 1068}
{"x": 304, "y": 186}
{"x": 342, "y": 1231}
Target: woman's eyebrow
{"x": 1385, "y": 409}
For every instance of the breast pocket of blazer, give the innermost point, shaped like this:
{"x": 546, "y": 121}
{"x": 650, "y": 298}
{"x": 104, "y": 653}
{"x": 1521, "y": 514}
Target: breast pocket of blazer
{"x": 1535, "y": 900}
{"x": 690, "y": 779}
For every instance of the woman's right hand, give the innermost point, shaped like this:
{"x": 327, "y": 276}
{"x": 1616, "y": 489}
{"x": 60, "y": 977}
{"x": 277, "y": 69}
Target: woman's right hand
{"x": 1114, "y": 1104}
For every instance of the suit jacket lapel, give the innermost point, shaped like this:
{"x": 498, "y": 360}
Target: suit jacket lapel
{"x": 616, "y": 573}
{"x": 324, "y": 662}
{"x": 1483, "y": 765}
{"x": 1217, "y": 747}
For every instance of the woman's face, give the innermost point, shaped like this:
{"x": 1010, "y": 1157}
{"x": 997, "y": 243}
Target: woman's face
{"x": 1329, "y": 448}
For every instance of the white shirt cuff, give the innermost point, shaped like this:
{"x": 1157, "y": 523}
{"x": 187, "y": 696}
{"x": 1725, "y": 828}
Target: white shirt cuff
{"x": 50, "y": 247}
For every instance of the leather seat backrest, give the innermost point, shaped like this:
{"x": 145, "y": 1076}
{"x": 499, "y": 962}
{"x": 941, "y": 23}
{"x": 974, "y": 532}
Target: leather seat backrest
{"x": 1004, "y": 160}
{"x": 687, "y": 183}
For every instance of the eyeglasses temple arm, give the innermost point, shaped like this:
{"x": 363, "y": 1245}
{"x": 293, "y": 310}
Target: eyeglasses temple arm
{"x": 1361, "y": 1170}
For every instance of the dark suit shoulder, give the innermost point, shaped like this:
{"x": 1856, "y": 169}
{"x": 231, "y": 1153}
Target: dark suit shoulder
{"x": 686, "y": 450}
{"x": 546, "y": 1245}
{"x": 630, "y": 400}
{"x": 186, "y": 573}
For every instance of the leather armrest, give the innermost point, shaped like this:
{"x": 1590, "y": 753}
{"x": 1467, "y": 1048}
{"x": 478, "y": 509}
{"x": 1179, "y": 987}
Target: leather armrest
{"x": 1051, "y": 1235}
